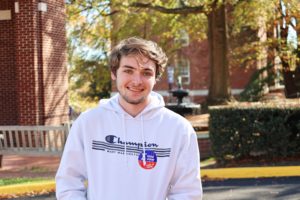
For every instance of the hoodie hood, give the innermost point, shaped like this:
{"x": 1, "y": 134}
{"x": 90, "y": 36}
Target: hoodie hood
{"x": 148, "y": 112}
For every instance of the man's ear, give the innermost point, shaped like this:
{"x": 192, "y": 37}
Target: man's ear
{"x": 113, "y": 76}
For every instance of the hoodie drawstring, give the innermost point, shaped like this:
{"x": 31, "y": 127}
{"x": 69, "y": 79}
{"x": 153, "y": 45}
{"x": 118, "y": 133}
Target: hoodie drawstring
{"x": 125, "y": 137}
{"x": 143, "y": 140}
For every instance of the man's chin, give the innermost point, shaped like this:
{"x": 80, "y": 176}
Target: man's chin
{"x": 135, "y": 101}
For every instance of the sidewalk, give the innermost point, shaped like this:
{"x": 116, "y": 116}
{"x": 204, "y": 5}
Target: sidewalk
{"x": 29, "y": 166}
{"x": 20, "y": 166}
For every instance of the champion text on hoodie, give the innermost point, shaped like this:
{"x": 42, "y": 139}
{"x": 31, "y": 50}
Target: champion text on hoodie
{"x": 110, "y": 155}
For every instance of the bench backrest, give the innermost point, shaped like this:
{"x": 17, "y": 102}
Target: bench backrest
{"x": 33, "y": 140}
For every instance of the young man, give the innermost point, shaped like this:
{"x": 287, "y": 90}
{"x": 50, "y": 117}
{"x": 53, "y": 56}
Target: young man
{"x": 131, "y": 147}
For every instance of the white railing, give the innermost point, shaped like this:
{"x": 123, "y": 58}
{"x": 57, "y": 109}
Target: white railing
{"x": 33, "y": 140}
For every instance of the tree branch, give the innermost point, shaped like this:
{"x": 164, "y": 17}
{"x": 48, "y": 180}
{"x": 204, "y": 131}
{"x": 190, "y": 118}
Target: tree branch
{"x": 181, "y": 10}
{"x": 102, "y": 12}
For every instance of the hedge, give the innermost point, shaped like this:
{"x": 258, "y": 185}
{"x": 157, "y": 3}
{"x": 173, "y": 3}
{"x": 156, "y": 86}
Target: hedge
{"x": 254, "y": 130}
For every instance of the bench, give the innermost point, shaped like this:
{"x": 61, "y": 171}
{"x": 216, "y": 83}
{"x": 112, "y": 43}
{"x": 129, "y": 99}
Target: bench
{"x": 32, "y": 140}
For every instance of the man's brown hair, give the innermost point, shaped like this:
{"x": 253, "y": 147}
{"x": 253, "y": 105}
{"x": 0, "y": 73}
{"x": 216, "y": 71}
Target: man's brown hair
{"x": 138, "y": 46}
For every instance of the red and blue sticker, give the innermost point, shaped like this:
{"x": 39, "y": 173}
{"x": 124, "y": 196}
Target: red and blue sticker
{"x": 150, "y": 159}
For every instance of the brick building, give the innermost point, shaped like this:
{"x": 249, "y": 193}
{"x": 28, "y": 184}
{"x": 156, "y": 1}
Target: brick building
{"x": 192, "y": 64}
{"x": 33, "y": 78}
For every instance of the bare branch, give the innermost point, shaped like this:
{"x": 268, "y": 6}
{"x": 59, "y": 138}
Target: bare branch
{"x": 102, "y": 12}
{"x": 181, "y": 10}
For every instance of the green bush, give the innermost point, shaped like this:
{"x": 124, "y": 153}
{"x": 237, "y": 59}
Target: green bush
{"x": 254, "y": 130}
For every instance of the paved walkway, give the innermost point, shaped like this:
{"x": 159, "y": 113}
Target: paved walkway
{"x": 279, "y": 188}
{"x": 29, "y": 166}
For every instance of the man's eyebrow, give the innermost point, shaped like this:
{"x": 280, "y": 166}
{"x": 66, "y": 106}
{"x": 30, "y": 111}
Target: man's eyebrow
{"x": 128, "y": 66}
{"x": 143, "y": 68}
{"x": 148, "y": 69}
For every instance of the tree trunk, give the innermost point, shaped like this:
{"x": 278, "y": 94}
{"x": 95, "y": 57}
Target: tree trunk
{"x": 219, "y": 88}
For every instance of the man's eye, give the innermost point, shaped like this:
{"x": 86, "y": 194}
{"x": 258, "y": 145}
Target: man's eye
{"x": 128, "y": 71}
{"x": 148, "y": 74}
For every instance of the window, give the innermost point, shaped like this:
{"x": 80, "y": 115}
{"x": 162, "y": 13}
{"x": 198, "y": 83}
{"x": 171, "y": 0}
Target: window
{"x": 183, "y": 39}
{"x": 182, "y": 69}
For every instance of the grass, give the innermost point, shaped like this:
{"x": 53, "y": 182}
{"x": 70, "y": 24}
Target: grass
{"x": 12, "y": 181}
{"x": 37, "y": 169}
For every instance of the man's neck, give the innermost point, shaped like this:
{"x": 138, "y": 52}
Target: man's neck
{"x": 133, "y": 109}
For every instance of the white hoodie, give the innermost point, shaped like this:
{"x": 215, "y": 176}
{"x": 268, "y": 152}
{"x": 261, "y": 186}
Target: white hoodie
{"x": 106, "y": 147}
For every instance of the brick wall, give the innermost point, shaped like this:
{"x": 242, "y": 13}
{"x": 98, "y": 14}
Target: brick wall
{"x": 26, "y": 64}
{"x": 8, "y": 93}
{"x": 33, "y": 64}
{"x": 204, "y": 148}
{"x": 197, "y": 53}
{"x": 54, "y": 62}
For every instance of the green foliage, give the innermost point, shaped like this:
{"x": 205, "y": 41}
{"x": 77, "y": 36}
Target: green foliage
{"x": 253, "y": 14}
{"x": 88, "y": 43}
{"x": 252, "y": 131}
{"x": 161, "y": 27}
{"x": 255, "y": 87}
{"x": 90, "y": 78}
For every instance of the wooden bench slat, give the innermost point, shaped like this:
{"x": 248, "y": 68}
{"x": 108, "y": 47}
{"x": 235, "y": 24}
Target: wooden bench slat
{"x": 24, "y": 143}
{"x": 42, "y": 140}
{"x": 62, "y": 140}
{"x": 11, "y": 141}
{"x": 1, "y": 139}
{"x": 49, "y": 141}
{"x": 29, "y": 134}
{"x": 55, "y": 140}
{"x": 5, "y": 139}
{"x": 36, "y": 138}
{"x": 17, "y": 136}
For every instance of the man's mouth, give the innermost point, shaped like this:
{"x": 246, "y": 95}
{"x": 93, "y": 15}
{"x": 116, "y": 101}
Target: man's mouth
{"x": 135, "y": 89}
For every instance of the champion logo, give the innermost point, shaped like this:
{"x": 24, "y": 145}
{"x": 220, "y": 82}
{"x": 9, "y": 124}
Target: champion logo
{"x": 114, "y": 145}
{"x": 133, "y": 150}
{"x": 112, "y": 139}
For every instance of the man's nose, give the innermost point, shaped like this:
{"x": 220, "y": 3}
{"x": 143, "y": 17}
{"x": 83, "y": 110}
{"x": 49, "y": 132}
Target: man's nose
{"x": 137, "y": 79}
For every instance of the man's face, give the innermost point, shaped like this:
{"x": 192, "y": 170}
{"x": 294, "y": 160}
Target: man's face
{"x": 135, "y": 79}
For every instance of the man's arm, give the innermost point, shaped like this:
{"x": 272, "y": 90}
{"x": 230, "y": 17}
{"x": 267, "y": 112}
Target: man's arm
{"x": 186, "y": 181}
{"x": 71, "y": 175}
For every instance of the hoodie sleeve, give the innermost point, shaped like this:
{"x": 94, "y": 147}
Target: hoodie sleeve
{"x": 71, "y": 174}
{"x": 186, "y": 181}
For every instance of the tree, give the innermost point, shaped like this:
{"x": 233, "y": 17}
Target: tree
{"x": 197, "y": 17}
{"x": 289, "y": 52}
{"x": 89, "y": 76}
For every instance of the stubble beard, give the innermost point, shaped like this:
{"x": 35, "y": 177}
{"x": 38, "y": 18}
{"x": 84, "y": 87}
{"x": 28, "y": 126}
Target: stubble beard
{"x": 132, "y": 101}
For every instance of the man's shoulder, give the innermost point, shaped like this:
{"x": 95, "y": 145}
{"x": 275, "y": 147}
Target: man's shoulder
{"x": 95, "y": 112}
{"x": 171, "y": 115}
